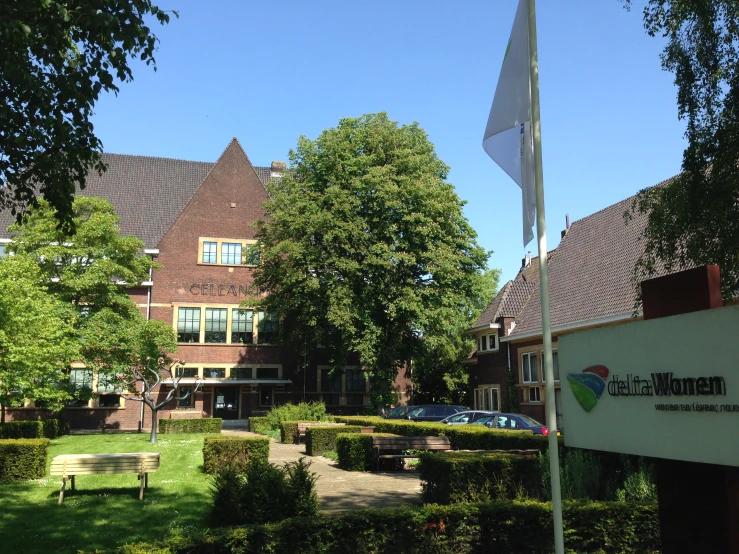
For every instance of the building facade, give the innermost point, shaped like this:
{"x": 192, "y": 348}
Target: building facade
{"x": 196, "y": 220}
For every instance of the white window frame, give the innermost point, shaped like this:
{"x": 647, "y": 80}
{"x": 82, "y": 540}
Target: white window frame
{"x": 538, "y": 395}
{"x": 535, "y": 355}
{"x": 491, "y": 342}
{"x": 485, "y": 392}
{"x": 543, "y": 375}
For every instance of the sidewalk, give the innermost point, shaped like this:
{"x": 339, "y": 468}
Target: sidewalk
{"x": 348, "y": 490}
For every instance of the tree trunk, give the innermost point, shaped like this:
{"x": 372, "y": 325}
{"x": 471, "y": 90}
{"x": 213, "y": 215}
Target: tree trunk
{"x": 153, "y": 436}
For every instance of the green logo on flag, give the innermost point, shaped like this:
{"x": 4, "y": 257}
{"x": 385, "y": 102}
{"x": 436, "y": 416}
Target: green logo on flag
{"x": 589, "y": 385}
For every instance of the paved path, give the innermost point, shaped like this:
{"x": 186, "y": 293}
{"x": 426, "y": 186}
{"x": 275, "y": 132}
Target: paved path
{"x": 348, "y": 490}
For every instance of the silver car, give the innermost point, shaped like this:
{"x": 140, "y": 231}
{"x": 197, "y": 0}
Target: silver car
{"x": 468, "y": 416}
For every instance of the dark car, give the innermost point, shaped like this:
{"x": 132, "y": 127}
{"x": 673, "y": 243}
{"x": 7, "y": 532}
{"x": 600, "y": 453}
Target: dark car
{"x": 514, "y": 422}
{"x": 468, "y": 416}
{"x": 398, "y": 413}
{"x": 433, "y": 412}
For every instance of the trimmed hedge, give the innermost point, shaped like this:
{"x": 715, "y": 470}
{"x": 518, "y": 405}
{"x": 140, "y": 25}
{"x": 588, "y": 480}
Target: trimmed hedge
{"x": 233, "y": 453}
{"x": 355, "y": 450}
{"x": 23, "y": 430}
{"x": 288, "y": 430}
{"x": 51, "y": 428}
{"x": 454, "y": 477}
{"x": 322, "y": 439}
{"x": 204, "y": 425}
{"x": 501, "y": 527}
{"x": 461, "y": 437}
{"x": 22, "y": 459}
{"x": 258, "y": 424}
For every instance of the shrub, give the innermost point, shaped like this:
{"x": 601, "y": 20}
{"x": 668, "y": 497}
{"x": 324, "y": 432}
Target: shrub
{"x": 264, "y": 493}
{"x": 204, "y": 425}
{"x": 258, "y": 424}
{"x": 305, "y": 411}
{"x": 233, "y": 453}
{"x": 501, "y": 527}
{"x": 22, "y": 459}
{"x": 23, "y": 430}
{"x": 453, "y": 477}
{"x": 50, "y": 428}
{"x": 320, "y": 439}
{"x": 461, "y": 437}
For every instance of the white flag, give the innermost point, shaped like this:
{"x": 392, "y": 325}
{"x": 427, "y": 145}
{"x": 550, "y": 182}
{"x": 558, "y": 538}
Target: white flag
{"x": 508, "y": 136}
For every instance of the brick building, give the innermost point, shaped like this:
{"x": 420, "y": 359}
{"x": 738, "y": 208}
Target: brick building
{"x": 590, "y": 285}
{"x": 196, "y": 220}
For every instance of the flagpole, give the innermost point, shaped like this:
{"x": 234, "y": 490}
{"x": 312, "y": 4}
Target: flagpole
{"x": 546, "y": 322}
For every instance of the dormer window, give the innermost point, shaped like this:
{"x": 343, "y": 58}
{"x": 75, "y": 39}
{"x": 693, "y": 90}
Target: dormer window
{"x": 487, "y": 343}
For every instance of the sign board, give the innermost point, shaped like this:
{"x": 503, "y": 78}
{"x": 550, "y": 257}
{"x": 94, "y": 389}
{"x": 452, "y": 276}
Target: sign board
{"x": 667, "y": 388}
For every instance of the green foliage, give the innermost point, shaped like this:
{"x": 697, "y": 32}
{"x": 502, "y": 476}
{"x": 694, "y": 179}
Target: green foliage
{"x": 48, "y": 428}
{"x": 453, "y": 477}
{"x": 258, "y": 424}
{"x": 304, "y": 411}
{"x": 510, "y": 381}
{"x": 331, "y": 455}
{"x": 58, "y": 57}
{"x": 37, "y": 339}
{"x": 204, "y": 425}
{"x": 693, "y": 219}
{"x": 22, "y": 459}
{"x": 366, "y": 250}
{"x": 320, "y": 439}
{"x": 355, "y": 450}
{"x": 263, "y": 493}
{"x": 462, "y": 437}
{"x": 500, "y": 527}
{"x": 233, "y": 453}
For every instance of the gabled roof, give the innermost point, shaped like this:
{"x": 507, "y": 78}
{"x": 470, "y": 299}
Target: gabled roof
{"x": 148, "y": 192}
{"x": 509, "y": 301}
{"x": 591, "y": 275}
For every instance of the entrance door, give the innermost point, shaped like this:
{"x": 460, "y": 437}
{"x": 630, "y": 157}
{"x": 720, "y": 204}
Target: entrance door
{"x": 226, "y": 405}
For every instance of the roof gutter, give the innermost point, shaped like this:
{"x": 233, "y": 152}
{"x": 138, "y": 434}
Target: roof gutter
{"x": 483, "y": 327}
{"x": 571, "y": 326}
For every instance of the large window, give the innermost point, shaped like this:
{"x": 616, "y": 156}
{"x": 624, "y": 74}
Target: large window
{"x": 186, "y": 402}
{"x": 210, "y": 252}
{"x": 330, "y": 387}
{"x": 231, "y": 253}
{"x": 188, "y": 325}
{"x": 242, "y": 327}
{"x": 216, "y": 322}
{"x": 267, "y": 328}
{"x": 268, "y": 373}
{"x": 241, "y": 373}
{"x": 487, "y": 398}
{"x": 187, "y": 372}
{"x": 356, "y": 385}
{"x": 80, "y": 382}
{"x": 214, "y": 373}
{"x": 530, "y": 367}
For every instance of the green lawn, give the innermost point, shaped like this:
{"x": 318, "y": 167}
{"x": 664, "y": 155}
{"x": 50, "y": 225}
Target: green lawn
{"x": 105, "y": 510}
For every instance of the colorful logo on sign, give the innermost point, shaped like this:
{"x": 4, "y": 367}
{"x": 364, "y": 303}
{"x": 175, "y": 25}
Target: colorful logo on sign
{"x": 589, "y": 385}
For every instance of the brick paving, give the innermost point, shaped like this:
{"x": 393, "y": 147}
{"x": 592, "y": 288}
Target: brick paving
{"x": 348, "y": 490}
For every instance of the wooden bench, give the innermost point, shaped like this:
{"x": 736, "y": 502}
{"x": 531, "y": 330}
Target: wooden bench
{"x": 383, "y": 446}
{"x": 300, "y": 431}
{"x": 70, "y": 465}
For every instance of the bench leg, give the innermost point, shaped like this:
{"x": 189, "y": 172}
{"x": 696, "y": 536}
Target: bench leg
{"x": 146, "y": 477}
{"x": 72, "y": 482}
{"x": 142, "y": 478}
{"x": 61, "y": 492}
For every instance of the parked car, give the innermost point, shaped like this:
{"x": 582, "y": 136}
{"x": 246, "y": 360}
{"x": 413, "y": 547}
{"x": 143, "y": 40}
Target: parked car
{"x": 514, "y": 422}
{"x": 433, "y": 412}
{"x": 400, "y": 412}
{"x": 468, "y": 416}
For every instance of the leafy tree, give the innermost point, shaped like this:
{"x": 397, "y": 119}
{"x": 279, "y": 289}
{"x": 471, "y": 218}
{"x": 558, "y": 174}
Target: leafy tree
{"x": 91, "y": 268}
{"x": 438, "y": 374}
{"x": 694, "y": 218}
{"x": 36, "y": 337}
{"x": 56, "y": 57}
{"x": 365, "y": 248}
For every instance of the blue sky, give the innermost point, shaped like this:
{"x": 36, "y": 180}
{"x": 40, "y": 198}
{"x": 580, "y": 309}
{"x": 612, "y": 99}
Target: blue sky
{"x": 267, "y": 72}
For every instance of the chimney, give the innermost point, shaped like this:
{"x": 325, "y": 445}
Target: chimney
{"x": 278, "y": 168}
{"x": 567, "y": 226}
{"x": 526, "y": 262}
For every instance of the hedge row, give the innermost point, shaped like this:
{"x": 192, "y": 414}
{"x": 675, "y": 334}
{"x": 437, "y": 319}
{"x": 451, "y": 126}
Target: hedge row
{"x": 48, "y": 428}
{"x": 233, "y": 453}
{"x": 355, "y": 450}
{"x": 204, "y": 425}
{"x": 22, "y": 459}
{"x": 501, "y": 527}
{"x": 322, "y": 439}
{"x": 258, "y": 424}
{"x": 462, "y": 437}
{"x": 454, "y": 477}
